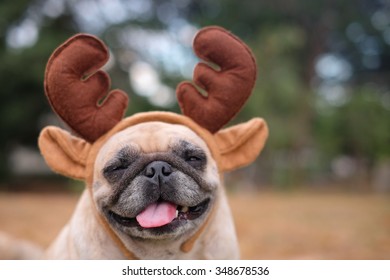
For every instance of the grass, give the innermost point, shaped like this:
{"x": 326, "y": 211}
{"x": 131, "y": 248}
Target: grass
{"x": 313, "y": 226}
{"x": 269, "y": 225}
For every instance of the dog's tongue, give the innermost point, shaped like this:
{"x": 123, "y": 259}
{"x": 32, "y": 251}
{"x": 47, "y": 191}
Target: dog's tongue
{"x": 157, "y": 214}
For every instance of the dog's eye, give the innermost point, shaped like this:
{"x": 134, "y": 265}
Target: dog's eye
{"x": 115, "y": 169}
{"x": 118, "y": 168}
{"x": 193, "y": 158}
{"x": 197, "y": 161}
{"x": 120, "y": 164}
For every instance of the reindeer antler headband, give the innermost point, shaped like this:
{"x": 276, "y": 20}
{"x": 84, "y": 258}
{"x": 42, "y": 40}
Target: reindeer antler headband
{"x": 78, "y": 90}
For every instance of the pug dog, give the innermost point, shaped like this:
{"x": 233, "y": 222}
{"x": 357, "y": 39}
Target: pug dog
{"x": 155, "y": 184}
{"x": 154, "y": 180}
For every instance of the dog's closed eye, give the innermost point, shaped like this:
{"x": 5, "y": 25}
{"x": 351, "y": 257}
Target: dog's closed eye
{"x": 115, "y": 168}
{"x": 117, "y": 165}
{"x": 191, "y": 154}
{"x": 193, "y": 158}
{"x": 196, "y": 159}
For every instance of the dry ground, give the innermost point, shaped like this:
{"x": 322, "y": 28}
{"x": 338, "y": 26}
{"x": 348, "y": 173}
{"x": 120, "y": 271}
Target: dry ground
{"x": 269, "y": 225}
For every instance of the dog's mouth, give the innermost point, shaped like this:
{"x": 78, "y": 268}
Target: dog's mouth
{"x": 162, "y": 214}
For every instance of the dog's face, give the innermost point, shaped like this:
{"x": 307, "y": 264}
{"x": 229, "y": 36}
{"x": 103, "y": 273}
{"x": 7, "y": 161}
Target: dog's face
{"x": 155, "y": 181}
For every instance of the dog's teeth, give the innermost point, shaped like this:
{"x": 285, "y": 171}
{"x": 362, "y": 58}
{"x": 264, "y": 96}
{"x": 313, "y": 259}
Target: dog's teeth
{"x": 184, "y": 209}
{"x": 177, "y": 213}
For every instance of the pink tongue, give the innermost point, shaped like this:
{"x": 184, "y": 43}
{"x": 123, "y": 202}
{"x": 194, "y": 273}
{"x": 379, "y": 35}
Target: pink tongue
{"x": 157, "y": 215}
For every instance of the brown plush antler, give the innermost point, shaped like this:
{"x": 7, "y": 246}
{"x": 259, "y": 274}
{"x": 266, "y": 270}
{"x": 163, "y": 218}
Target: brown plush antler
{"x": 227, "y": 89}
{"x": 78, "y": 91}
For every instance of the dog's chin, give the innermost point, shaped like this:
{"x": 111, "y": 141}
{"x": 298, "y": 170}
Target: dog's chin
{"x": 187, "y": 219}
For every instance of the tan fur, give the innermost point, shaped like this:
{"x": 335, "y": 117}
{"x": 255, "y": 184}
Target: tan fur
{"x": 12, "y": 248}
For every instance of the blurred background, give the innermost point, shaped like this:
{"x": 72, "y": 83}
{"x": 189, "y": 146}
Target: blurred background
{"x": 321, "y": 187}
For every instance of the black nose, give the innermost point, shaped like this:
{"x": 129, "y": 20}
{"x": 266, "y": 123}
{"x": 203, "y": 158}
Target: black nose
{"x": 158, "y": 170}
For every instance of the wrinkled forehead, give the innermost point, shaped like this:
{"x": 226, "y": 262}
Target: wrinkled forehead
{"x": 152, "y": 137}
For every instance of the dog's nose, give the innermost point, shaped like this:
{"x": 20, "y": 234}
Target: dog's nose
{"x": 158, "y": 170}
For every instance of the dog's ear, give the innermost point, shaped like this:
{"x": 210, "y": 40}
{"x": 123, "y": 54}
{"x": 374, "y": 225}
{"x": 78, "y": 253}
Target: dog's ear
{"x": 239, "y": 145}
{"x": 64, "y": 153}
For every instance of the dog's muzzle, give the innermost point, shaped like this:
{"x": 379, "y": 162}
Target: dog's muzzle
{"x": 161, "y": 212}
